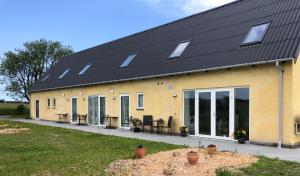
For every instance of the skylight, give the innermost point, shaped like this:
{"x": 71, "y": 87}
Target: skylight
{"x": 128, "y": 60}
{"x": 63, "y": 74}
{"x": 46, "y": 77}
{"x": 179, "y": 49}
{"x": 84, "y": 69}
{"x": 256, "y": 34}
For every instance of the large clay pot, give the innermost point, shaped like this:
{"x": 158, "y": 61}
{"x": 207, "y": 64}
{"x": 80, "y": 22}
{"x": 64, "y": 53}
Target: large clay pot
{"x": 139, "y": 152}
{"x": 192, "y": 157}
{"x": 211, "y": 149}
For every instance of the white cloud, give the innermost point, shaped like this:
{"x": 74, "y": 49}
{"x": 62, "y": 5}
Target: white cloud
{"x": 183, "y": 7}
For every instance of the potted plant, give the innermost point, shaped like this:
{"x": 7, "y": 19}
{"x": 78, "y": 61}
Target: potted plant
{"x": 139, "y": 152}
{"x": 137, "y": 123}
{"x": 184, "y": 131}
{"x": 211, "y": 149}
{"x": 240, "y": 136}
{"x": 192, "y": 157}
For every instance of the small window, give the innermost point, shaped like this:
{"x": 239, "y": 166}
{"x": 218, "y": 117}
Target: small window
{"x": 54, "y": 103}
{"x": 256, "y": 34}
{"x": 179, "y": 49}
{"x": 64, "y": 74}
{"x": 128, "y": 60}
{"x": 140, "y": 100}
{"x": 48, "y": 103}
{"x": 45, "y": 78}
{"x": 84, "y": 69}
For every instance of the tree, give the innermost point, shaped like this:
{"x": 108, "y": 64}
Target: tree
{"x": 22, "y": 67}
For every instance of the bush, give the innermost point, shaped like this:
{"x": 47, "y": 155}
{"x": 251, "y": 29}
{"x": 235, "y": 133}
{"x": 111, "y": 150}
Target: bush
{"x": 20, "y": 109}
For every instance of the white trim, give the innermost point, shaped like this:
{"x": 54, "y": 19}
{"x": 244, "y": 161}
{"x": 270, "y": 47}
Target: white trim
{"x": 169, "y": 74}
{"x": 137, "y": 100}
{"x": 71, "y": 114}
{"x": 120, "y": 112}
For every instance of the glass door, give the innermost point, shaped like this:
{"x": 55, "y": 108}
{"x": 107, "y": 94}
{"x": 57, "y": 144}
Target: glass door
{"x": 93, "y": 116}
{"x": 74, "y": 109}
{"x": 222, "y": 113}
{"x": 214, "y": 113}
{"x": 204, "y": 113}
{"x": 102, "y": 110}
{"x": 124, "y": 110}
{"x": 37, "y": 109}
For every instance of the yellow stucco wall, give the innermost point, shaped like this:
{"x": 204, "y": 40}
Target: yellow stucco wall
{"x": 159, "y": 101}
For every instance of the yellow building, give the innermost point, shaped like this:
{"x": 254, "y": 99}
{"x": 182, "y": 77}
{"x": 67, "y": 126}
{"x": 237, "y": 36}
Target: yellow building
{"x": 230, "y": 68}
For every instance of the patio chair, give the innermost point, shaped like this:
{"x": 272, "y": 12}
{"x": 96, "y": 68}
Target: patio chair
{"x": 147, "y": 121}
{"x": 125, "y": 123}
{"x": 169, "y": 125}
{"x": 104, "y": 121}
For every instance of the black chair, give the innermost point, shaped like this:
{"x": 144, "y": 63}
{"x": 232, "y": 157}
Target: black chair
{"x": 126, "y": 122}
{"x": 169, "y": 126}
{"x": 147, "y": 121}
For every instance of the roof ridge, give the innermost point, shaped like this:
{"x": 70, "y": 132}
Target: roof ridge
{"x": 166, "y": 24}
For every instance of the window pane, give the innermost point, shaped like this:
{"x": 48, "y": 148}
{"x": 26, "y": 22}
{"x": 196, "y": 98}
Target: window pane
{"x": 189, "y": 111}
{"x": 179, "y": 50}
{"x": 222, "y": 113}
{"x": 63, "y": 74}
{"x": 84, "y": 69}
{"x": 256, "y": 34}
{"x": 140, "y": 100}
{"x": 128, "y": 60}
{"x": 205, "y": 113}
{"x": 242, "y": 110}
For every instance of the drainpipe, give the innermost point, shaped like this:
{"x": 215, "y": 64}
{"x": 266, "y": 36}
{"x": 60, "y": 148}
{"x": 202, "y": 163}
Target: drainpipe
{"x": 280, "y": 102}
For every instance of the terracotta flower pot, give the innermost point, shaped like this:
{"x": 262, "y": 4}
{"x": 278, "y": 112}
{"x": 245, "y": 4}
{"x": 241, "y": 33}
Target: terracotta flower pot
{"x": 139, "y": 152}
{"x": 211, "y": 149}
{"x": 192, "y": 157}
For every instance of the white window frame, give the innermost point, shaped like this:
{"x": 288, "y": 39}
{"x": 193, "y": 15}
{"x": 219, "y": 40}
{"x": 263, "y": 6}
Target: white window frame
{"x": 137, "y": 100}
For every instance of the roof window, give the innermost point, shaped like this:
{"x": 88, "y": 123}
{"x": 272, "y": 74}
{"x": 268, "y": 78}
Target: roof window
{"x": 179, "y": 49}
{"x": 45, "y": 78}
{"x": 63, "y": 74}
{"x": 127, "y": 61}
{"x": 84, "y": 69}
{"x": 256, "y": 34}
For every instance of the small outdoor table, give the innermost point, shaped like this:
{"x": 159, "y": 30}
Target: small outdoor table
{"x": 62, "y": 117}
{"x": 81, "y": 118}
{"x": 159, "y": 125}
{"x": 110, "y": 126}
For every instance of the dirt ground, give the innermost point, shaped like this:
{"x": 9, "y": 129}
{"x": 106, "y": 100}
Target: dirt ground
{"x": 13, "y": 130}
{"x": 175, "y": 162}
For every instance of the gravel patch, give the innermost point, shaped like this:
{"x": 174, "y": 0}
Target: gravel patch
{"x": 13, "y": 130}
{"x": 174, "y": 162}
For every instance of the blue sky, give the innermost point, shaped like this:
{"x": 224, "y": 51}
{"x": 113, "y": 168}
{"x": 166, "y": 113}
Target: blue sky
{"x": 86, "y": 23}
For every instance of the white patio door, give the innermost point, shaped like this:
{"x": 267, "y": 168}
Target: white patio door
{"x": 214, "y": 113}
{"x": 96, "y": 108}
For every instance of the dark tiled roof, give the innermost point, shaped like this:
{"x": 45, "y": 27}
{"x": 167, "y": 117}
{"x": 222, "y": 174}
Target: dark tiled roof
{"x": 216, "y": 37}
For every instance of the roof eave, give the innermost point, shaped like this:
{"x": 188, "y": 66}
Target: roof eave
{"x": 167, "y": 74}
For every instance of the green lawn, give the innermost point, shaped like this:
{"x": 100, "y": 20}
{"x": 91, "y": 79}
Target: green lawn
{"x": 57, "y": 151}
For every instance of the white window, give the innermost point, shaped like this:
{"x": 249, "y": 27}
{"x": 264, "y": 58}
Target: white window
{"x": 140, "y": 100}
{"x": 179, "y": 49}
{"x": 54, "y": 103}
{"x": 256, "y": 34}
{"x": 48, "y": 103}
{"x": 128, "y": 60}
{"x": 64, "y": 74}
{"x": 84, "y": 69}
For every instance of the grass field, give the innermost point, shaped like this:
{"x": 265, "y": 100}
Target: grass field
{"x": 57, "y": 151}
